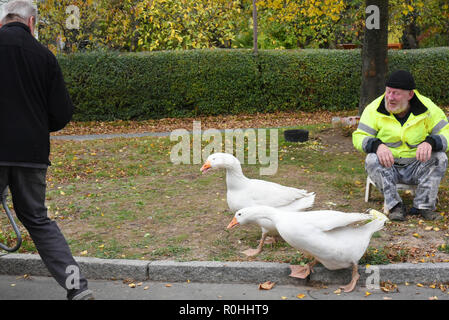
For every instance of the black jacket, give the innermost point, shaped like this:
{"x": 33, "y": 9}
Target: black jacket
{"x": 33, "y": 97}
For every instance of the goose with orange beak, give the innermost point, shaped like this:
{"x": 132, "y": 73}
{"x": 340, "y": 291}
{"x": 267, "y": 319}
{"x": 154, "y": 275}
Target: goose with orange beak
{"x": 243, "y": 192}
{"x": 330, "y": 237}
{"x": 206, "y": 166}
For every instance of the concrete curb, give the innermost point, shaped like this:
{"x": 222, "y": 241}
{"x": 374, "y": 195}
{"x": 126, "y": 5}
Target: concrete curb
{"x": 225, "y": 272}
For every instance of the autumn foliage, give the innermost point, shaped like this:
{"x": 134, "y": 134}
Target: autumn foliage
{"x": 148, "y": 25}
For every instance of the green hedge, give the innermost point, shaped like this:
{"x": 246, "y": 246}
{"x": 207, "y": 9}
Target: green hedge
{"x": 109, "y": 86}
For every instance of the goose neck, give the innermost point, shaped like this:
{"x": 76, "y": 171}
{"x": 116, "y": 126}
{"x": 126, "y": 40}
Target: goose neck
{"x": 234, "y": 176}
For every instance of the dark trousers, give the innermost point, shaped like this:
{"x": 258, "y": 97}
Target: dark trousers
{"x": 28, "y": 187}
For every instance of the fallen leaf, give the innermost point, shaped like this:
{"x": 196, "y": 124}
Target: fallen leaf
{"x": 132, "y": 285}
{"x": 266, "y": 285}
{"x": 419, "y": 285}
{"x": 128, "y": 281}
{"x": 300, "y": 296}
{"x": 146, "y": 288}
{"x": 168, "y": 285}
{"x": 338, "y": 291}
{"x": 388, "y": 286}
{"x": 367, "y": 294}
{"x": 433, "y": 298}
{"x": 284, "y": 298}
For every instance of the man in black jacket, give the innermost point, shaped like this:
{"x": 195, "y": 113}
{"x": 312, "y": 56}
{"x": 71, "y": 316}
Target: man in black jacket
{"x": 33, "y": 102}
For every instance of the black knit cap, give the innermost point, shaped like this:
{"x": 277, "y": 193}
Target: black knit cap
{"x": 401, "y": 79}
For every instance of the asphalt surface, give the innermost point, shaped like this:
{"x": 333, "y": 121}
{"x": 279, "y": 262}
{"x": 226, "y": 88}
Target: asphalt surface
{"x": 46, "y": 288}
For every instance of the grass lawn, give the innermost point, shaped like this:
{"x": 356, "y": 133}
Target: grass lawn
{"x": 124, "y": 198}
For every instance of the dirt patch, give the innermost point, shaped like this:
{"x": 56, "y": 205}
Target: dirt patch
{"x": 258, "y": 120}
{"x": 337, "y": 140}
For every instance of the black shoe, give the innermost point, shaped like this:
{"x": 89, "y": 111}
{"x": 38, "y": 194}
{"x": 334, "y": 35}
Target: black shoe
{"x": 398, "y": 213}
{"x": 430, "y": 215}
{"x": 413, "y": 212}
{"x": 85, "y": 295}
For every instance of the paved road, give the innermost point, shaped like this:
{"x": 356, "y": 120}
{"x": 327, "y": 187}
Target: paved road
{"x": 44, "y": 288}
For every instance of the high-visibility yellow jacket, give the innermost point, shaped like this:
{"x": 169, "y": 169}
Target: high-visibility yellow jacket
{"x": 426, "y": 122}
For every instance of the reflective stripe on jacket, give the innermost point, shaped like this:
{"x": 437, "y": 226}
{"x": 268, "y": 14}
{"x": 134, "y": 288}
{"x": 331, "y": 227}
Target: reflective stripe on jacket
{"x": 426, "y": 119}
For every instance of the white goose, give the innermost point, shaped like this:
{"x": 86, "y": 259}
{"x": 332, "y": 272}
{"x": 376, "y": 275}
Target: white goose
{"x": 243, "y": 192}
{"x": 328, "y": 236}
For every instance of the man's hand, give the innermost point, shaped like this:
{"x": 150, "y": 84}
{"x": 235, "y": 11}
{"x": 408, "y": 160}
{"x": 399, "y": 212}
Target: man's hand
{"x": 385, "y": 156}
{"x": 423, "y": 152}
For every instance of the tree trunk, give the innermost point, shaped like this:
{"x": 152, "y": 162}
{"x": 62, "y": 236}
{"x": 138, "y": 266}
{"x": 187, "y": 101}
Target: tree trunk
{"x": 255, "y": 46}
{"x": 374, "y": 52}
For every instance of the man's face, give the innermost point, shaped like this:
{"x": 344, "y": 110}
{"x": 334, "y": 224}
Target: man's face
{"x": 397, "y": 100}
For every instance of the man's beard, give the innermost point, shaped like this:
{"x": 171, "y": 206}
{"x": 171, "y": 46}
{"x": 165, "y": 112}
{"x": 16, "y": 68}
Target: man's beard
{"x": 398, "y": 108}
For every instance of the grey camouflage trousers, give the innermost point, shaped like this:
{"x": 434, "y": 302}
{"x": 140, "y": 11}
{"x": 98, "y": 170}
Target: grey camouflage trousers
{"x": 426, "y": 176}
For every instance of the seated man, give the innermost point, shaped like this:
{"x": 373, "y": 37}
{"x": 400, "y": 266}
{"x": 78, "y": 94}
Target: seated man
{"x": 405, "y": 136}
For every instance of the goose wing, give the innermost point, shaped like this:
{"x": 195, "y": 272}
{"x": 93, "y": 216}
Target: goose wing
{"x": 273, "y": 194}
{"x": 326, "y": 220}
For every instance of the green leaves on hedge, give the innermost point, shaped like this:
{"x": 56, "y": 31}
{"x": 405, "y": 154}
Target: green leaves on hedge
{"x": 111, "y": 86}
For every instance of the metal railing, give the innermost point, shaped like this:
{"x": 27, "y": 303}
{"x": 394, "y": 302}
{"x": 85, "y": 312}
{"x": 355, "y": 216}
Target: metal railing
{"x": 4, "y": 196}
